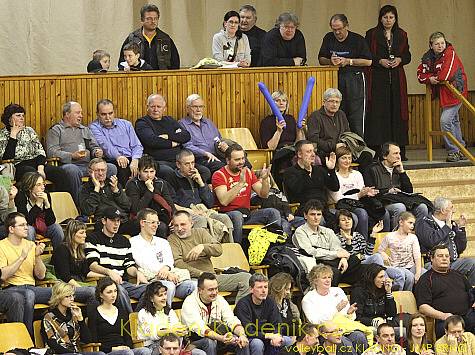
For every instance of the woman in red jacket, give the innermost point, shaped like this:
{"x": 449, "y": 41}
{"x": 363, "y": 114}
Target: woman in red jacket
{"x": 441, "y": 63}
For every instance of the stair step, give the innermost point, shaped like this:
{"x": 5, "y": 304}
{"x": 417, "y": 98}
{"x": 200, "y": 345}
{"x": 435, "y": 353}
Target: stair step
{"x": 436, "y": 174}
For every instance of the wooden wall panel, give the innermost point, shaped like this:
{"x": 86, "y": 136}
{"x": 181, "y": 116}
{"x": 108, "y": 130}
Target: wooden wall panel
{"x": 231, "y": 97}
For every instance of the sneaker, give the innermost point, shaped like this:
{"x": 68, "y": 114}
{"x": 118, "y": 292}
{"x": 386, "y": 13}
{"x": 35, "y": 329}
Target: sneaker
{"x": 453, "y": 157}
{"x": 461, "y": 156}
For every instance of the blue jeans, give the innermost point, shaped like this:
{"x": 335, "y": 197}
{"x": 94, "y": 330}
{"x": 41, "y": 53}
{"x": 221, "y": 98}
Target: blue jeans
{"x": 395, "y": 209}
{"x": 394, "y": 273}
{"x": 181, "y": 290}
{"x": 259, "y": 216}
{"x": 409, "y": 279}
{"x": 13, "y": 304}
{"x": 127, "y": 290}
{"x": 85, "y": 294}
{"x": 75, "y": 173}
{"x": 53, "y": 232}
{"x": 210, "y": 347}
{"x": 137, "y": 351}
{"x": 31, "y": 295}
{"x": 450, "y": 122}
{"x": 361, "y": 221}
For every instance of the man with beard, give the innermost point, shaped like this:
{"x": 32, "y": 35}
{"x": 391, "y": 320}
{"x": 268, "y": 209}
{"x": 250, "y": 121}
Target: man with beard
{"x": 232, "y": 185}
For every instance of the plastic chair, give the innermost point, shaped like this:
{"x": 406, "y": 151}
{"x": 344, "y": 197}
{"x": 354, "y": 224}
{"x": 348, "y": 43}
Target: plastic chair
{"x": 233, "y": 255}
{"x": 243, "y": 136}
{"x": 63, "y": 206}
{"x": 14, "y": 335}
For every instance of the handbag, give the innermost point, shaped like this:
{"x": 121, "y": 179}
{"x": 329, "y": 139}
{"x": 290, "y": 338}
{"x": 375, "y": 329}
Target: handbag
{"x": 40, "y": 224}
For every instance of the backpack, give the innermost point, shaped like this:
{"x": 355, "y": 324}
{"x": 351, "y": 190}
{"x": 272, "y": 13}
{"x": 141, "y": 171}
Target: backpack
{"x": 283, "y": 258}
{"x": 260, "y": 240}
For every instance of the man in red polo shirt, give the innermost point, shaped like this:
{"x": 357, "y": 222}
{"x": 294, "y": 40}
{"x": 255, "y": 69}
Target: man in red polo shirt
{"x": 233, "y": 185}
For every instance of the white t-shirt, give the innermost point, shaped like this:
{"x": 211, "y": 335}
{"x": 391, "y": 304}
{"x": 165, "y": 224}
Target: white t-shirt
{"x": 353, "y": 181}
{"x": 151, "y": 256}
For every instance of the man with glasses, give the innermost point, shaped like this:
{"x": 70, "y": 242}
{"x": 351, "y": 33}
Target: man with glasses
{"x": 154, "y": 257}
{"x": 205, "y": 137}
{"x": 334, "y": 342}
{"x": 349, "y": 52}
{"x": 162, "y": 137}
{"x": 21, "y": 264}
{"x": 102, "y": 192}
{"x": 254, "y": 34}
{"x": 156, "y": 47}
{"x": 284, "y": 45}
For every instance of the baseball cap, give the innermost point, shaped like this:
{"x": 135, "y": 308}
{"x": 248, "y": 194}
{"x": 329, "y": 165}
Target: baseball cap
{"x": 111, "y": 213}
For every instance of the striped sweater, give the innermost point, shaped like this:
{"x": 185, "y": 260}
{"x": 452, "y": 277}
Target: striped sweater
{"x": 112, "y": 253}
{"x": 359, "y": 245}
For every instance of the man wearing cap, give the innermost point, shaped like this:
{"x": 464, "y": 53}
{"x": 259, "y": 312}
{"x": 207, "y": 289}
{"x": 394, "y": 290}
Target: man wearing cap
{"x": 156, "y": 47}
{"x": 109, "y": 253}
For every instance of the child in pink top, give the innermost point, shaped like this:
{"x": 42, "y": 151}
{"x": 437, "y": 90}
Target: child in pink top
{"x": 404, "y": 250}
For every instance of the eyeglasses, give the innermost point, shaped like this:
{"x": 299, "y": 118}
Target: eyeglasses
{"x": 152, "y": 222}
{"x": 288, "y": 27}
{"x": 335, "y": 102}
{"x": 151, "y": 19}
{"x": 197, "y": 107}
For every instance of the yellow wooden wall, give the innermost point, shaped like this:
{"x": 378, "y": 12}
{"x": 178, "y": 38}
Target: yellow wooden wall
{"x": 231, "y": 97}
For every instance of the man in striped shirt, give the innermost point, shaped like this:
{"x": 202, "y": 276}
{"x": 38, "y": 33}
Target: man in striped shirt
{"x": 110, "y": 254}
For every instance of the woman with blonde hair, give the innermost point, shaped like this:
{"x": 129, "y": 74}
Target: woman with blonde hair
{"x": 63, "y": 326}
{"x": 324, "y": 302}
{"x": 280, "y": 136}
{"x": 280, "y": 286}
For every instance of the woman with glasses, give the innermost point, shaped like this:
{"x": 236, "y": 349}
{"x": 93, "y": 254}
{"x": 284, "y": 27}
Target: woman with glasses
{"x": 63, "y": 326}
{"x": 284, "y": 45}
{"x": 35, "y": 203}
{"x": 230, "y": 44}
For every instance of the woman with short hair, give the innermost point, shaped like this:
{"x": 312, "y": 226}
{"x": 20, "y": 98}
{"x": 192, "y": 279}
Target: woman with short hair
{"x": 63, "y": 326}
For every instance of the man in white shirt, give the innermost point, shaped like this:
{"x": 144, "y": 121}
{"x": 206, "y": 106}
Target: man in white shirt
{"x": 154, "y": 257}
{"x": 210, "y": 319}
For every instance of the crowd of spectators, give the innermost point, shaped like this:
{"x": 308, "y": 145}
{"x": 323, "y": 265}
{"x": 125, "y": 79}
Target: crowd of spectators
{"x": 165, "y": 195}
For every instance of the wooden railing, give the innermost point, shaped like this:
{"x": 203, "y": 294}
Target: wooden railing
{"x": 430, "y": 133}
{"x": 231, "y": 96}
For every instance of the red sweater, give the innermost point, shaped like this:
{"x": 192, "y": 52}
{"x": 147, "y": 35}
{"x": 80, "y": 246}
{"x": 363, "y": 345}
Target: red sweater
{"x": 447, "y": 66}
